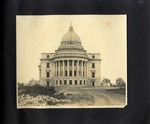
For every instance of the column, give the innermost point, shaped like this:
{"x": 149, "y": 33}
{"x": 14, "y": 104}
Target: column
{"x": 68, "y": 68}
{"x": 81, "y": 68}
{"x": 63, "y": 68}
{"x": 77, "y": 68}
{"x": 72, "y": 68}
{"x": 58, "y": 68}
{"x": 86, "y": 69}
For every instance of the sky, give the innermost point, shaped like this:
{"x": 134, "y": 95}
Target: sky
{"x": 104, "y": 34}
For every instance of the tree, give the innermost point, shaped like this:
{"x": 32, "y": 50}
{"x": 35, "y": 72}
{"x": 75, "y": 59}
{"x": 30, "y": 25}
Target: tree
{"x": 106, "y": 80}
{"x": 120, "y": 82}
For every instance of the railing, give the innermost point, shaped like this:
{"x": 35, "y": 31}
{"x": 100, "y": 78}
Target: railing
{"x": 70, "y": 54}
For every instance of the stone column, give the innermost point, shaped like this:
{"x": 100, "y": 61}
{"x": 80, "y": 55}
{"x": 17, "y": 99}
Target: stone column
{"x": 58, "y": 68}
{"x": 81, "y": 68}
{"x": 72, "y": 68}
{"x": 63, "y": 68}
{"x": 68, "y": 68}
{"x": 85, "y": 69}
{"x": 77, "y": 73}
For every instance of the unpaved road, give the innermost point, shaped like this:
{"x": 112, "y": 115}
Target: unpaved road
{"x": 101, "y": 96}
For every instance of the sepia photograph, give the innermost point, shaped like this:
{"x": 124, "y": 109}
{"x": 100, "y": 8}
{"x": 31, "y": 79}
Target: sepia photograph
{"x": 71, "y": 61}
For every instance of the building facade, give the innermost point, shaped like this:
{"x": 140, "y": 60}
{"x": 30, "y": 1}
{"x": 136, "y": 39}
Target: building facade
{"x": 70, "y": 64}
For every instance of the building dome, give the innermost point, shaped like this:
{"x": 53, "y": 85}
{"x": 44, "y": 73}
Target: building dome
{"x": 71, "y": 41}
{"x": 70, "y": 36}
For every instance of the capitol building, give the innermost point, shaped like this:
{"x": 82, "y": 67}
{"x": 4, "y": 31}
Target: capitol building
{"x": 70, "y": 64}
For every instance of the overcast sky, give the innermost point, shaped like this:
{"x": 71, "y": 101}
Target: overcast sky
{"x": 104, "y": 34}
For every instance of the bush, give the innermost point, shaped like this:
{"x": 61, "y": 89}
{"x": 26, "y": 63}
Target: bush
{"x": 36, "y": 90}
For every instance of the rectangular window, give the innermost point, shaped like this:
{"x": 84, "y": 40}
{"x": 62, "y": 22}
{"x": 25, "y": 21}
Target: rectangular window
{"x": 60, "y": 82}
{"x": 47, "y": 83}
{"x": 56, "y": 82}
{"x": 70, "y": 82}
{"x": 93, "y": 65}
{"x": 75, "y": 82}
{"x": 93, "y": 56}
{"x": 70, "y": 73}
{"x": 70, "y": 63}
{"x": 47, "y": 65}
{"x": 75, "y": 63}
{"x": 47, "y": 56}
{"x": 65, "y": 82}
{"x": 93, "y": 74}
{"x": 84, "y": 82}
{"x": 80, "y": 82}
{"x": 65, "y": 63}
{"x": 75, "y": 73}
{"x": 65, "y": 73}
{"x": 47, "y": 74}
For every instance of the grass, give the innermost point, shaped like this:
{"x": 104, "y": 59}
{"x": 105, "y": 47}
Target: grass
{"x": 36, "y": 90}
{"x": 118, "y": 91}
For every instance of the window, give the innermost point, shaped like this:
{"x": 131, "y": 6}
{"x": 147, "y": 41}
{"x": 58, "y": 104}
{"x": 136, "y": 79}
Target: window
{"x": 70, "y": 73}
{"x": 93, "y": 56}
{"x": 47, "y": 74}
{"x": 75, "y": 73}
{"x": 75, "y": 82}
{"x": 80, "y": 82}
{"x": 47, "y": 56}
{"x": 47, "y": 65}
{"x": 93, "y": 74}
{"x": 65, "y": 73}
{"x": 84, "y": 82}
{"x": 65, "y": 82}
{"x": 93, "y": 65}
{"x": 75, "y": 63}
{"x": 65, "y": 63}
{"x": 70, "y": 63}
{"x": 70, "y": 82}
{"x": 56, "y": 82}
{"x": 60, "y": 82}
{"x": 47, "y": 83}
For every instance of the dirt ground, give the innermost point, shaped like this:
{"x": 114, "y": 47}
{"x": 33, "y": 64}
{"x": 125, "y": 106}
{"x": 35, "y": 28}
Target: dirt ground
{"x": 100, "y": 96}
{"x": 78, "y": 97}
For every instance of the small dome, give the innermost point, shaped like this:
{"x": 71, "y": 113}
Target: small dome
{"x": 70, "y": 36}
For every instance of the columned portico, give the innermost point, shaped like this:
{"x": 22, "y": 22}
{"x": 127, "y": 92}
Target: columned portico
{"x": 69, "y": 72}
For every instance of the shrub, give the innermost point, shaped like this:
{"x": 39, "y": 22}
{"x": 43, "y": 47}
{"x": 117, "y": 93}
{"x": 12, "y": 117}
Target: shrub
{"x": 36, "y": 90}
